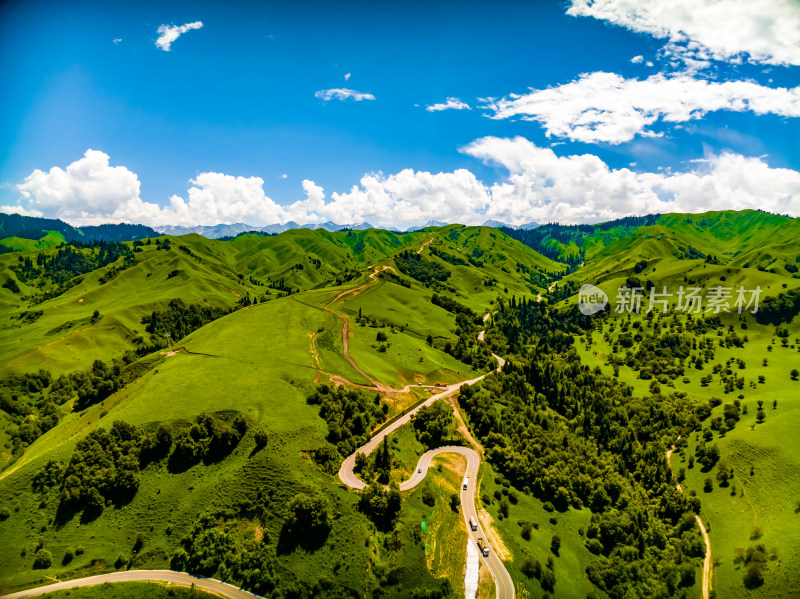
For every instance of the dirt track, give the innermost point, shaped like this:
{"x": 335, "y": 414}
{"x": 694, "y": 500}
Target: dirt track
{"x": 707, "y": 560}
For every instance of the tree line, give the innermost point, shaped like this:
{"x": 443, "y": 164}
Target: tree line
{"x": 573, "y": 437}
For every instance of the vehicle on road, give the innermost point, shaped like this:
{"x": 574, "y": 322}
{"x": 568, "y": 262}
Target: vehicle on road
{"x": 484, "y": 548}
{"x": 466, "y": 482}
{"x": 472, "y": 524}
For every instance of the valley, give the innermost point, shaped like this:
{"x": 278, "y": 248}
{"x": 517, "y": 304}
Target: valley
{"x": 201, "y": 405}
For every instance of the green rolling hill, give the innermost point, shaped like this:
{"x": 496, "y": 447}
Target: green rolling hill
{"x": 255, "y": 329}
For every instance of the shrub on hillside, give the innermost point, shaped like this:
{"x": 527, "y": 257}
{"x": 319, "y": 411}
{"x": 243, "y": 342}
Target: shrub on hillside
{"x": 42, "y": 560}
{"x": 308, "y": 514}
{"x": 380, "y": 506}
{"x": 261, "y": 438}
{"x": 209, "y": 439}
{"x": 434, "y": 425}
{"x": 350, "y": 415}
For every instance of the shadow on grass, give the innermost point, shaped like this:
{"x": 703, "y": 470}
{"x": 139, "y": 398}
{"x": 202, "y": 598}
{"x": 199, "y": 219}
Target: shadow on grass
{"x": 309, "y": 540}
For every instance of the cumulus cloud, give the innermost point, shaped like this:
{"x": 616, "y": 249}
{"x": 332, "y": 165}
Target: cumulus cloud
{"x": 451, "y": 104}
{"x": 605, "y": 107}
{"x": 403, "y": 199}
{"x": 543, "y": 186}
{"x": 169, "y": 33}
{"x": 763, "y": 31}
{"x": 220, "y": 198}
{"x": 117, "y": 40}
{"x": 539, "y": 185}
{"x": 347, "y": 76}
{"x": 20, "y": 210}
{"x": 342, "y": 94}
{"x": 637, "y": 59}
{"x": 88, "y": 191}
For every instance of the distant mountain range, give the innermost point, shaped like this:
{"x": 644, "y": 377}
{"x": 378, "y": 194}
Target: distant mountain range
{"x": 232, "y": 230}
{"x": 28, "y": 227}
{"x": 500, "y": 225}
{"x": 223, "y": 230}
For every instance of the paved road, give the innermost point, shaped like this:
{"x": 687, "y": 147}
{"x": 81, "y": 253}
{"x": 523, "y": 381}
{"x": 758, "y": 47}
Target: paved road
{"x": 346, "y": 473}
{"x": 503, "y": 583}
{"x": 502, "y": 579}
{"x": 180, "y": 578}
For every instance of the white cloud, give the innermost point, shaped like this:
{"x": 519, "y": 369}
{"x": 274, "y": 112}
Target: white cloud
{"x": 544, "y": 187}
{"x": 284, "y": 176}
{"x": 539, "y": 185}
{"x": 400, "y": 200}
{"x": 90, "y": 191}
{"x": 220, "y": 198}
{"x": 764, "y": 31}
{"x": 342, "y": 94}
{"x": 169, "y": 33}
{"x": 20, "y": 210}
{"x": 637, "y": 59}
{"x": 451, "y": 104}
{"x": 347, "y": 76}
{"x": 605, "y": 107}
{"x": 87, "y": 190}
{"x": 117, "y": 40}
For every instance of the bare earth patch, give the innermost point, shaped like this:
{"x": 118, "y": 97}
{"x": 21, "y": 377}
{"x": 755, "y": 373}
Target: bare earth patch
{"x": 495, "y": 540}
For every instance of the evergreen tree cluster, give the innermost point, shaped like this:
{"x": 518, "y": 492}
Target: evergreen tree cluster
{"x": 412, "y": 264}
{"x": 575, "y": 438}
{"x": 72, "y": 259}
{"x": 350, "y": 414}
{"x": 105, "y": 466}
{"x": 177, "y": 321}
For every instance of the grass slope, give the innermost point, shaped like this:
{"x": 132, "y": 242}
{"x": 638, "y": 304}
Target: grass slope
{"x": 767, "y": 499}
{"x": 131, "y": 590}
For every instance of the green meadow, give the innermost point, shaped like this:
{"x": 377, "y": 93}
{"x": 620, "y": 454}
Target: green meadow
{"x": 130, "y": 590}
{"x": 281, "y": 335}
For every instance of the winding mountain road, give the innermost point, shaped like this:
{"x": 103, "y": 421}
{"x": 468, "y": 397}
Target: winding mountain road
{"x": 346, "y": 473}
{"x": 707, "y": 560}
{"x": 212, "y": 585}
{"x": 503, "y": 584}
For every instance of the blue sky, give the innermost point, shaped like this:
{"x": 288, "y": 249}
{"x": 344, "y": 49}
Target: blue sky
{"x": 613, "y": 115}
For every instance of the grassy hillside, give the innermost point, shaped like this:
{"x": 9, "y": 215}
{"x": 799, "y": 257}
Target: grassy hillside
{"x": 224, "y": 356}
{"x": 751, "y": 509}
{"x": 259, "y": 362}
{"x": 130, "y": 590}
{"x": 61, "y": 331}
{"x": 263, "y": 316}
{"x": 724, "y": 360}
{"x": 19, "y": 244}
